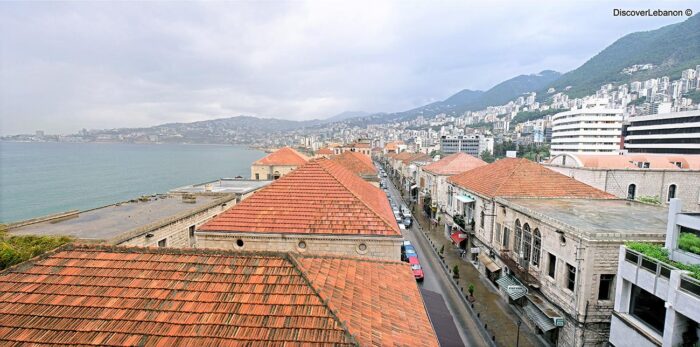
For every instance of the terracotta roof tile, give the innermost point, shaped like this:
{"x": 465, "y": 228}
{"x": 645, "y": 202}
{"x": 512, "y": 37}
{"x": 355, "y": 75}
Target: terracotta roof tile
{"x": 283, "y": 156}
{"x": 118, "y": 296}
{"x": 627, "y": 161}
{"x": 321, "y": 197}
{"x": 379, "y": 301}
{"x": 517, "y": 177}
{"x": 356, "y": 162}
{"x": 454, "y": 164}
{"x": 325, "y": 151}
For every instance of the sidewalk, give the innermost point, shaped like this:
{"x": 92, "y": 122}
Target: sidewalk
{"x": 498, "y": 317}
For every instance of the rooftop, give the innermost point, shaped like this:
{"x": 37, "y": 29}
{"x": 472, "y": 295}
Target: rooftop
{"x": 628, "y": 161}
{"x": 224, "y": 185}
{"x": 454, "y": 164}
{"x": 599, "y": 219}
{"x": 108, "y": 295}
{"x": 356, "y": 162}
{"x": 111, "y": 223}
{"x": 519, "y": 177}
{"x": 325, "y": 151}
{"x": 283, "y": 156}
{"x": 321, "y": 197}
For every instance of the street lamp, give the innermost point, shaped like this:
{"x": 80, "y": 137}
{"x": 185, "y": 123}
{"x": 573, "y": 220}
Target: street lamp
{"x": 517, "y": 339}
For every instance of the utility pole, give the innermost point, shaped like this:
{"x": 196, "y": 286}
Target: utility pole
{"x": 517, "y": 339}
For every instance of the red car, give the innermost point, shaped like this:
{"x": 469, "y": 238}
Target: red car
{"x": 416, "y": 268}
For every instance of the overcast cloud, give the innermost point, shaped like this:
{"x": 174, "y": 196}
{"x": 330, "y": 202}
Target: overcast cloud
{"x": 67, "y": 66}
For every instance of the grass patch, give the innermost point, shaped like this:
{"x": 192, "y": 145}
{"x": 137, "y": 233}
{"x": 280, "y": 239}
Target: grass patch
{"x": 689, "y": 242}
{"x": 16, "y": 249}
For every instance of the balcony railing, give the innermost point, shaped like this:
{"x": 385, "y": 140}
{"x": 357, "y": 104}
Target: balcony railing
{"x": 513, "y": 262}
{"x": 688, "y": 284}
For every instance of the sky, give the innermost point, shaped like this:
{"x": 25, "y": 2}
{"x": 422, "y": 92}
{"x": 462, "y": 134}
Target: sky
{"x": 65, "y": 66}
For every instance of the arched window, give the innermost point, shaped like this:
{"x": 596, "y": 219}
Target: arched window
{"x": 276, "y": 175}
{"x": 631, "y": 191}
{"x": 518, "y": 236}
{"x": 527, "y": 242}
{"x": 671, "y": 192}
{"x": 536, "y": 247}
{"x": 481, "y": 222}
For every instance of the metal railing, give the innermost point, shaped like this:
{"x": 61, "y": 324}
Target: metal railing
{"x": 659, "y": 268}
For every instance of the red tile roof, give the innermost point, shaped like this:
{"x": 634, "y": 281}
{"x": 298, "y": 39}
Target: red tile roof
{"x": 407, "y": 157}
{"x": 118, "y": 296}
{"x": 378, "y": 301}
{"x": 321, "y": 197}
{"x": 628, "y": 161}
{"x": 517, "y": 177}
{"x": 283, "y": 156}
{"x": 325, "y": 150}
{"x": 356, "y": 162}
{"x": 454, "y": 164}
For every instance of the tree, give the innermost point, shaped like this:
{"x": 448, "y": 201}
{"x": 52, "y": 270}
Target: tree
{"x": 455, "y": 272}
{"x": 487, "y": 156}
{"x": 500, "y": 149}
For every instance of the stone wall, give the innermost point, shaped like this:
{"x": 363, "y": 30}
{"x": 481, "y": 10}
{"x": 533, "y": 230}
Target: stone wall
{"x": 649, "y": 182}
{"x": 266, "y": 172}
{"x": 387, "y": 248}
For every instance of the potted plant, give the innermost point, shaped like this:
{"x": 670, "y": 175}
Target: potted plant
{"x": 455, "y": 272}
{"x": 471, "y": 292}
{"x": 442, "y": 252}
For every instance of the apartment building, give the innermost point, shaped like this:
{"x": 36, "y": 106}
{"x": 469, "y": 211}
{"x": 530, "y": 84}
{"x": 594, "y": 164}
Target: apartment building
{"x": 636, "y": 176}
{"x": 676, "y": 132}
{"x": 591, "y": 128}
{"x": 470, "y": 144}
{"x": 656, "y": 302}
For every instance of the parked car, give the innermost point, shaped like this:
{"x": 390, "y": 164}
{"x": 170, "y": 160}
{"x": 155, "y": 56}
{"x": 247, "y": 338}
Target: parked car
{"x": 408, "y": 252}
{"x": 404, "y": 244}
{"x": 416, "y": 268}
{"x": 407, "y": 220}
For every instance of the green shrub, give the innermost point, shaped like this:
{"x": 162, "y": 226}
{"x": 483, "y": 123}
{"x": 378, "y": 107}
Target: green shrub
{"x": 16, "y": 249}
{"x": 658, "y": 252}
{"x": 689, "y": 242}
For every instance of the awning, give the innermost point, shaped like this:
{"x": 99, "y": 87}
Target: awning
{"x": 457, "y": 238}
{"x": 465, "y": 198}
{"x": 414, "y": 186}
{"x": 541, "y": 320}
{"x": 514, "y": 289}
{"x": 488, "y": 262}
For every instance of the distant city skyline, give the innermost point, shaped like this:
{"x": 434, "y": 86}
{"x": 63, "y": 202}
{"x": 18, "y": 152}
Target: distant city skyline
{"x": 67, "y": 66}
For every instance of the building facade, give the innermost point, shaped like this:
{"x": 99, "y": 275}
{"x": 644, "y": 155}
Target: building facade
{"x": 676, "y": 132}
{"x": 277, "y": 164}
{"x": 471, "y": 144}
{"x": 592, "y": 128}
{"x": 657, "y": 304}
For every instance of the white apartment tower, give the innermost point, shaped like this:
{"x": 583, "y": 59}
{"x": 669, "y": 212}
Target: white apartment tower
{"x": 591, "y": 128}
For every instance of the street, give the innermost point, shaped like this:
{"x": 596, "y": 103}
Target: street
{"x": 437, "y": 281}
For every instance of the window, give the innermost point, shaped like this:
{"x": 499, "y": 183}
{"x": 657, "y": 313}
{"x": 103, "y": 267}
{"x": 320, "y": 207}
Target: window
{"x": 257, "y": 176}
{"x": 648, "y": 308}
{"x": 536, "y": 247}
{"x": 570, "y": 277}
{"x": 498, "y": 233}
{"x": 552, "y": 265}
{"x": 527, "y": 242}
{"x": 671, "y": 192}
{"x": 163, "y": 243}
{"x": 449, "y": 196}
{"x": 506, "y": 237}
{"x": 191, "y": 232}
{"x": 239, "y": 243}
{"x": 518, "y": 237}
{"x": 481, "y": 222}
{"x": 631, "y": 191}
{"x": 605, "y": 286}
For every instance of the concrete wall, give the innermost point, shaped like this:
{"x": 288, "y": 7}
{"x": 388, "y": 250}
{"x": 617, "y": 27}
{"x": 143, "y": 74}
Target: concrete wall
{"x": 266, "y": 172}
{"x": 649, "y": 182}
{"x": 387, "y": 248}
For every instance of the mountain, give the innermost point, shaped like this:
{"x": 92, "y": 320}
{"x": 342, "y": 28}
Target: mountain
{"x": 464, "y": 97}
{"x": 670, "y": 49}
{"x": 346, "y": 115}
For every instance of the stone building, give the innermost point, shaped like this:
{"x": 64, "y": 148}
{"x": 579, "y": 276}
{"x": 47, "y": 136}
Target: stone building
{"x": 127, "y": 296}
{"x": 319, "y": 208}
{"x": 635, "y": 176}
{"x": 362, "y": 146}
{"x": 558, "y": 260}
{"x": 165, "y": 220}
{"x": 277, "y": 164}
{"x": 433, "y": 177}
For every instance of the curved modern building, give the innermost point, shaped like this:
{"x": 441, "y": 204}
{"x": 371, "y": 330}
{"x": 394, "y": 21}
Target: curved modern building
{"x": 593, "y": 128}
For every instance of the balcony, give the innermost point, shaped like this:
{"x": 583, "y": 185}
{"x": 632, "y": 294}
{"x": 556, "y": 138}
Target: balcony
{"x": 513, "y": 262}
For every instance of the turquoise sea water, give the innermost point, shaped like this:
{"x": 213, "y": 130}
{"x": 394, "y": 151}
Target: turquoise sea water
{"x": 43, "y": 178}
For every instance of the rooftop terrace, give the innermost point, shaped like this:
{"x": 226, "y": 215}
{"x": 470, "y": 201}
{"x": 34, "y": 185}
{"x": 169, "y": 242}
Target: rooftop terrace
{"x": 598, "y": 219}
{"x": 224, "y": 185}
{"x": 109, "y": 222}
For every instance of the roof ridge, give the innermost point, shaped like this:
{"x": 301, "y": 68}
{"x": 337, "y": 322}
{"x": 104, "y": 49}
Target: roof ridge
{"x": 355, "y": 193}
{"x": 348, "y": 257}
{"x": 302, "y": 272}
{"x": 512, "y": 173}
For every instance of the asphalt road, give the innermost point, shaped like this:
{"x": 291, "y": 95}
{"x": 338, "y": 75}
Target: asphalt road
{"x": 437, "y": 281}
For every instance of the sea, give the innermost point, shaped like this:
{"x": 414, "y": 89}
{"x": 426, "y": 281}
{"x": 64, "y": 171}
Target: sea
{"x": 40, "y": 178}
